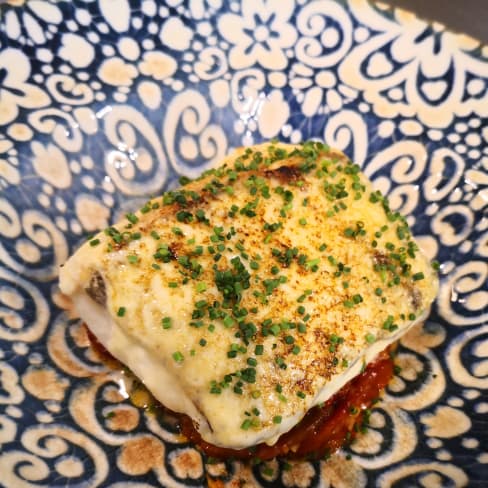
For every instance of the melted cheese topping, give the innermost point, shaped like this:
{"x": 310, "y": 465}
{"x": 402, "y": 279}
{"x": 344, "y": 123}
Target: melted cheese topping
{"x": 312, "y": 273}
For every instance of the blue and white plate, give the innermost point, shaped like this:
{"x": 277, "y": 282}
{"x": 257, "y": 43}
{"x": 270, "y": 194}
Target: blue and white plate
{"x": 103, "y": 103}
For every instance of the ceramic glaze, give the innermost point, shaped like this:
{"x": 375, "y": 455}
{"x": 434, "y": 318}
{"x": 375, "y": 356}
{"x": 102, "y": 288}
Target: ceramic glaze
{"x": 103, "y": 104}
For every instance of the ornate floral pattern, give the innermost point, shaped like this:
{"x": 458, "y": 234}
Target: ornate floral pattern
{"x": 105, "y": 103}
{"x": 407, "y": 69}
{"x": 260, "y": 34}
{"x": 16, "y": 92}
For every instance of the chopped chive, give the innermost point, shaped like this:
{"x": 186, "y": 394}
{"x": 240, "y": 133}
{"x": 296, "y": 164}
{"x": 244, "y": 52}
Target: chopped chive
{"x": 313, "y": 263}
{"x": 254, "y": 265}
{"x": 305, "y": 294}
{"x": 280, "y": 362}
{"x": 146, "y": 208}
{"x": 178, "y": 357}
{"x": 302, "y": 221}
{"x": 201, "y": 304}
{"x": 275, "y": 329}
{"x": 228, "y": 321}
{"x": 94, "y": 242}
{"x": 121, "y": 312}
{"x": 277, "y": 419}
{"x": 357, "y": 299}
{"x": 370, "y": 338}
{"x": 184, "y": 216}
{"x": 132, "y": 218}
{"x": 133, "y": 259}
{"x": 388, "y": 323}
{"x": 418, "y": 276}
{"x": 246, "y": 425}
{"x": 335, "y": 339}
{"x": 166, "y": 322}
{"x": 201, "y": 287}
{"x": 289, "y": 339}
{"x": 173, "y": 284}
{"x": 259, "y": 349}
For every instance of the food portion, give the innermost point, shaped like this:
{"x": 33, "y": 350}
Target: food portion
{"x": 249, "y": 298}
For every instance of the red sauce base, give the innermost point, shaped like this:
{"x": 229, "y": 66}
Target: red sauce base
{"x": 323, "y": 430}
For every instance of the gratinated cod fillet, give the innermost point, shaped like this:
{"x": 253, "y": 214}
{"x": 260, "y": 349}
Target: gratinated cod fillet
{"x": 255, "y": 292}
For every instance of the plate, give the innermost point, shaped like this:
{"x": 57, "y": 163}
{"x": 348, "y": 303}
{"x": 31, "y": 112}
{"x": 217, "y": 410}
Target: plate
{"x": 105, "y": 103}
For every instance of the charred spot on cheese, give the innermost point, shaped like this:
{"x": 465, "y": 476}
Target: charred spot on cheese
{"x": 285, "y": 174}
{"x": 415, "y": 297}
{"x": 380, "y": 258}
{"x": 96, "y": 289}
{"x": 264, "y": 285}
